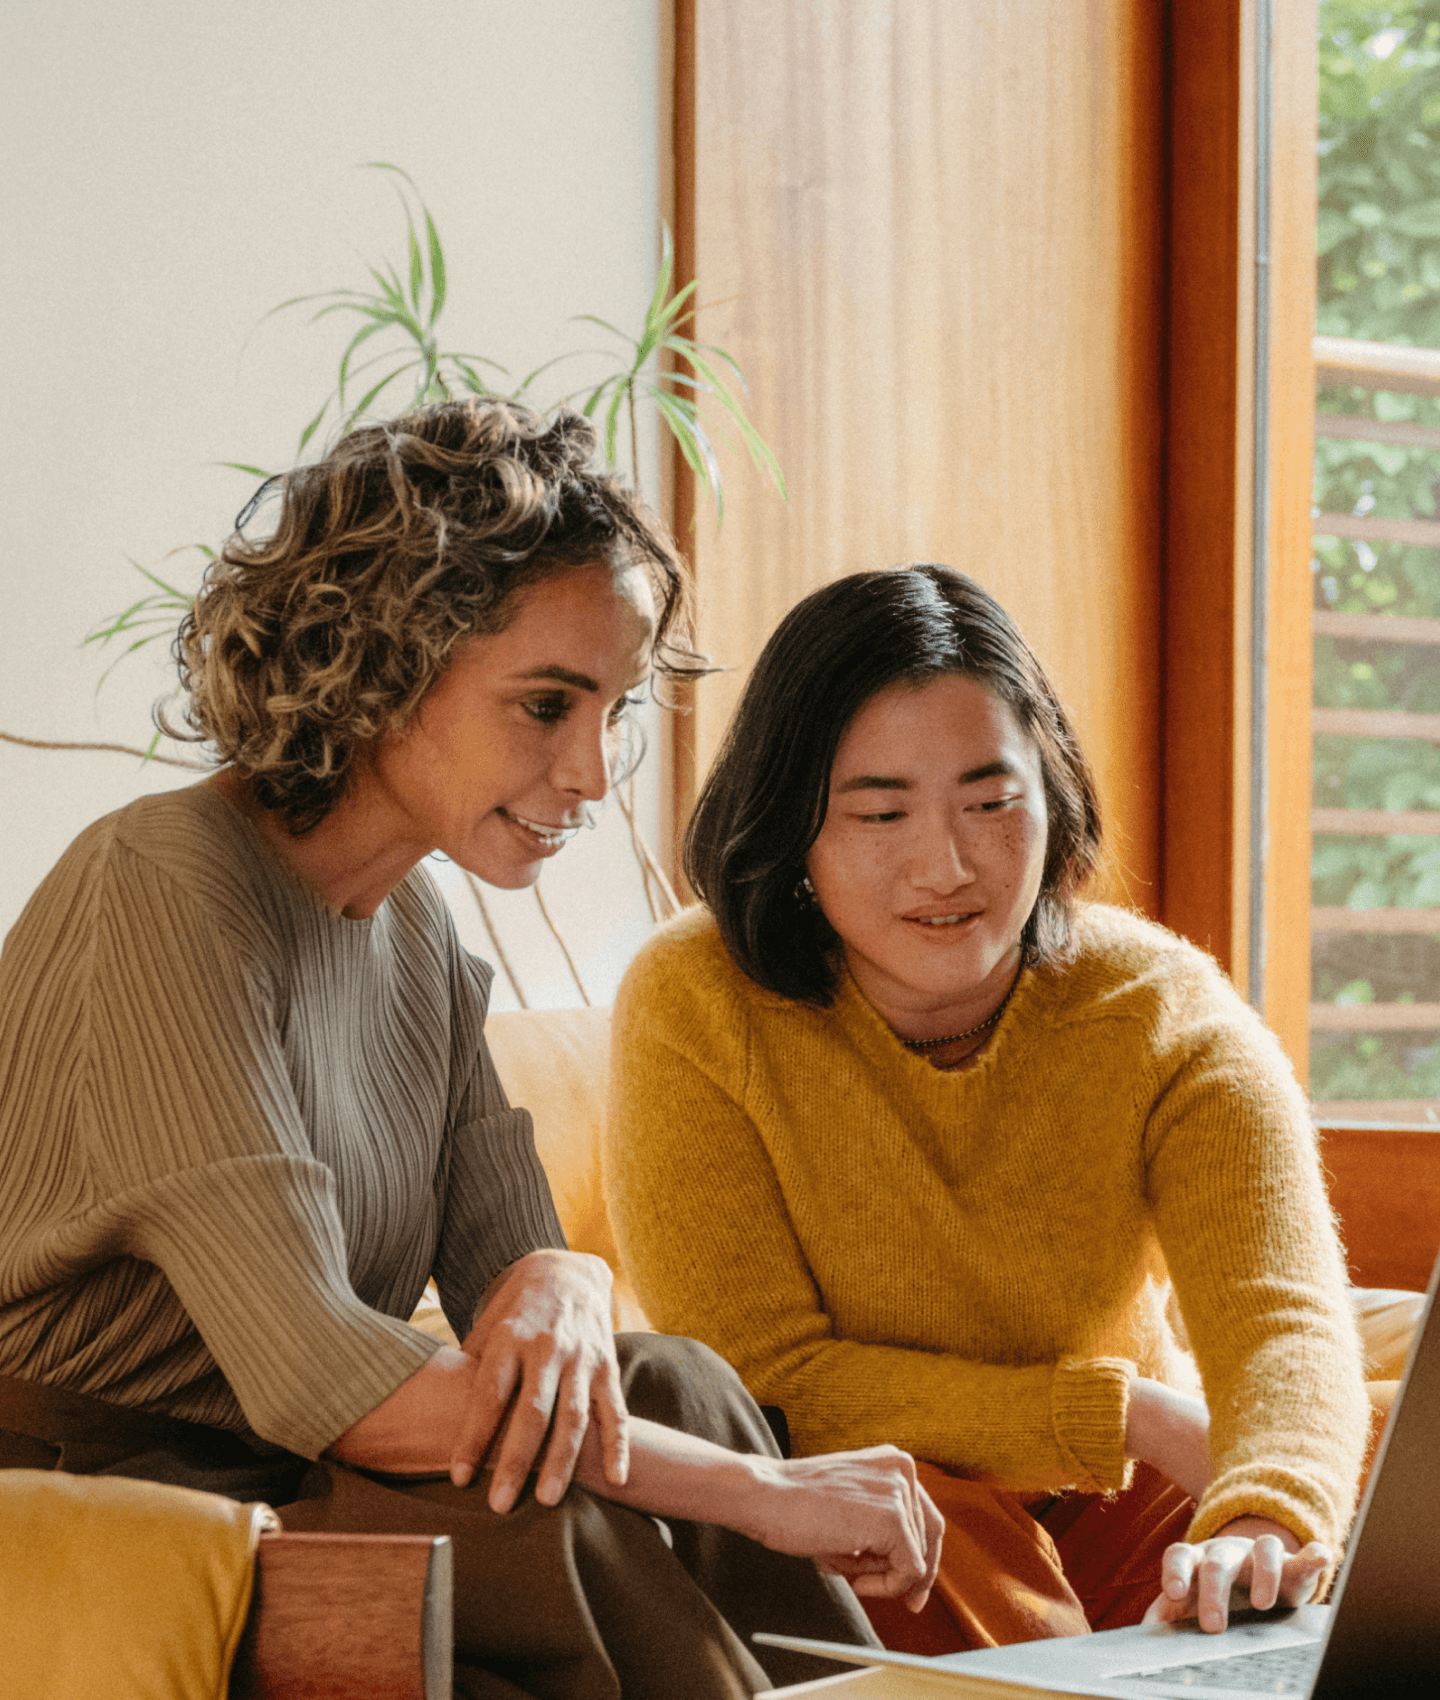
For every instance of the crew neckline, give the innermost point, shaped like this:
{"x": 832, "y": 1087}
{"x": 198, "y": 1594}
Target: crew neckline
{"x": 272, "y": 858}
{"x": 870, "y": 1026}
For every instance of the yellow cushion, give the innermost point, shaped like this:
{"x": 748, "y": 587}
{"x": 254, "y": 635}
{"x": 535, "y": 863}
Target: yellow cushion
{"x": 122, "y": 1589}
{"x": 555, "y": 1062}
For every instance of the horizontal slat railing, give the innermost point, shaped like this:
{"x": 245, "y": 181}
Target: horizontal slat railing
{"x": 1375, "y": 1017}
{"x": 1377, "y": 366}
{"x": 1377, "y": 430}
{"x": 1331, "y": 918}
{"x": 1365, "y": 1113}
{"x": 1374, "y": 528}
{"x": 1376, "y": 723}
{"x": 1414, "y": 371}
{"x": 1376, "y": 822}
{"x": 1384, "y": 628}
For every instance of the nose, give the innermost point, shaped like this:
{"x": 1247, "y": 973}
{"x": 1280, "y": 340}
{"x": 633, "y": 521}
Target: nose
{"x": 939, "y": 862}
{"x": 582, "y": 759}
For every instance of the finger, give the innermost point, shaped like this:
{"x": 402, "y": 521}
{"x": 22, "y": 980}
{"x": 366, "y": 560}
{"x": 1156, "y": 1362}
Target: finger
{"x": 608, "y": 1410}
{"x": 1304, "y": 1572}
{"x": 909, "y": 1559}
{"x": 1177, "y": 1572}
{"x": 1223, "y": 1564}
{"x": 494, "y": 1385}
{"x": 1267, "y": 1565}
{"x": 933, "y": 1526}
{"x": 524, "y": 1437}
{"x": 570, "y": 1417}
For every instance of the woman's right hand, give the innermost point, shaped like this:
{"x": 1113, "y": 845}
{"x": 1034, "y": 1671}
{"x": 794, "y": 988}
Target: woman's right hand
{"x": 862, "y": 1515}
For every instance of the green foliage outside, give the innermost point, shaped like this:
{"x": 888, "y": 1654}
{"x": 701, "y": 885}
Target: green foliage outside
{"x": 1378, "y": 236}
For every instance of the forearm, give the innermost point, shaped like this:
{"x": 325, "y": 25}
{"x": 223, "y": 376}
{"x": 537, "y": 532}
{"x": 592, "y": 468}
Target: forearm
{"x": 673, "y": 1474}
{"x": 1040, "y": 1427}
{"x": 1249, "y": 1241}
{"x": 413, "y": 1431}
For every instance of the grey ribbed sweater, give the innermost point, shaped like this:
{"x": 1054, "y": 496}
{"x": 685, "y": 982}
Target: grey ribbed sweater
{"x": 238, "y": 1132}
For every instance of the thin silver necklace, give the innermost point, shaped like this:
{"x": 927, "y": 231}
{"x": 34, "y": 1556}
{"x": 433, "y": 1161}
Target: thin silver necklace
{"x": 923, "y": 1045}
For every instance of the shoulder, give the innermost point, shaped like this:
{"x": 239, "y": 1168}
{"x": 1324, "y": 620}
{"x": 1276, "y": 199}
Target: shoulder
{"x": 1131, "y": 971}
{"x": 685, "y": 992}
{"x": 687, "y": 959}
{"x": 1115, "y": 952}
{"x": 156, "y": 850}
{"x": 199, "y": 847}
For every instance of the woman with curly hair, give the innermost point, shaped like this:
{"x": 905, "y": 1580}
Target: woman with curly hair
{"x": 937, "y": 1154}
{"x": 246, "y": 1108}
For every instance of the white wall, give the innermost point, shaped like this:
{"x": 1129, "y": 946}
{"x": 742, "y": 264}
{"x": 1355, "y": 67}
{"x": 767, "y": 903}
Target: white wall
{"x": 173, "y": 171}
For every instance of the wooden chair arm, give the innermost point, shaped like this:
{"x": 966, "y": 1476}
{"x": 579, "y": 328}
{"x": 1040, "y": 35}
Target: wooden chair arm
{"x": 348, "y": 1617}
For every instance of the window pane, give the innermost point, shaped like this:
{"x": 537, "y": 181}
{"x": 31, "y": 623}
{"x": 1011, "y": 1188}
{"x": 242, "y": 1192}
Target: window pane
{"x": 1375, "y": 1018}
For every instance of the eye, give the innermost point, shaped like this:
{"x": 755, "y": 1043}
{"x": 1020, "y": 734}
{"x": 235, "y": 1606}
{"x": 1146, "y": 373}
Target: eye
{"x": 881, "y": 818}
{"x": 549, "y": 709}
{"x": 994, "y": 804}
{"x": 623, "y": 707}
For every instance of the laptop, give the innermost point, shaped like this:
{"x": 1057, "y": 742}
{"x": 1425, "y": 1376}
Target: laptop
{"x": 1380, "y": 1635}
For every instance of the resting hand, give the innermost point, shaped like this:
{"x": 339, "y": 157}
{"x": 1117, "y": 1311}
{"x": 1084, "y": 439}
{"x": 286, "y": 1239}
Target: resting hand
{"x": 1250, "y": 1553}
{"x": 862, "y": 1515}
{"x": 544, "y": 1342}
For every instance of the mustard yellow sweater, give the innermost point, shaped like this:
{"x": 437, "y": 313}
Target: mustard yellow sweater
{"x": 972, "y": 1265}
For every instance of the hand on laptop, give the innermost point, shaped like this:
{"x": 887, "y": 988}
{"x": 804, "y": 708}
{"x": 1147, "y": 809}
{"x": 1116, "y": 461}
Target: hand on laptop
{"x": 1251, "y": 1554}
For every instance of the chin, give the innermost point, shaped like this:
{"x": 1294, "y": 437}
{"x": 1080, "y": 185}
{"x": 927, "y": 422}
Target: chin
{"x": 509, "y": 878}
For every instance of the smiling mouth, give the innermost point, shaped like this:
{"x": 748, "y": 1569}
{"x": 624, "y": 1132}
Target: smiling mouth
{"x": 942, "y": 920}
{"x": 552, "y": 837}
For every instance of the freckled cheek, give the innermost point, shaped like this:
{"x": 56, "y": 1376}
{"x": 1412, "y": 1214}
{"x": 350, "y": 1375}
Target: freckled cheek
{"x": 849, "y": 877}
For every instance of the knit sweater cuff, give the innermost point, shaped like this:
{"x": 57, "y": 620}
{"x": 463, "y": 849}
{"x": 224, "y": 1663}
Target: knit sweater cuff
{"x": 1088, "y": 1402}
{"x": 1266, "y": 1491}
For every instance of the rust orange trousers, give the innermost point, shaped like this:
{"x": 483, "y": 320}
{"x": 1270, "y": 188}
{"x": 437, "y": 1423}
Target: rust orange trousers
{"x": 1021, "y": 1569}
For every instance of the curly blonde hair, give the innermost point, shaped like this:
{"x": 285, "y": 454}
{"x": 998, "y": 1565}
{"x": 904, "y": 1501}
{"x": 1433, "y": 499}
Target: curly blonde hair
{"x": 303, "y": 648}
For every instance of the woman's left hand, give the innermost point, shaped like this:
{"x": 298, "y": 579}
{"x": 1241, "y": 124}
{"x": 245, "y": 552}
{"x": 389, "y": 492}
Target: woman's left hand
{"x": 545, "y": 1353}
{"x": 1251, "y": 1553}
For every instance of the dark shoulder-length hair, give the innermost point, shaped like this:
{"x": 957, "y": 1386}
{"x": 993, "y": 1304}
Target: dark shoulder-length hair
{"x": 764, "y": 801}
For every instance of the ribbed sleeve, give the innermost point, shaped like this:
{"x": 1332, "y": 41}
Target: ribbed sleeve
{"x": 973, "y": 1265}
{"x": 238, "y": 1131}
{"x": 498, "y": 1205}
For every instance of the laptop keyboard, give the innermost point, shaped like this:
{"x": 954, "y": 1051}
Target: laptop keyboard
{"x": 1276, "y": 1670}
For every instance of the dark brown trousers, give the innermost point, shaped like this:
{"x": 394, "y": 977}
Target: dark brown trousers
{"x": 580, "y": 1601}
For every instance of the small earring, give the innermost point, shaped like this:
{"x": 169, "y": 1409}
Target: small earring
{"x": 805, "y": 891}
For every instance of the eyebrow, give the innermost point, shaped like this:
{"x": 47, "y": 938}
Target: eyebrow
{"x": 563, "y": 676}
{"x": 1001, "y": 769}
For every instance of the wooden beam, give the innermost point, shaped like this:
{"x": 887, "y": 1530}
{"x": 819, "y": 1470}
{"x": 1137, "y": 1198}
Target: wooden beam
{"x": 1376, "y": 723}
{"x": 1209, "y": 492}
{"x": 1374, "y": 1017}
{"x": 1376, "y": 365}
{"x": 1383, "y": 628}
{"x": 1377, "y": 529}
{"x": 1334, "y": 919}
{"x": 1369, "y": 823}
{"x": 1344, "y": 425}
{"x": 1207, "y": 434}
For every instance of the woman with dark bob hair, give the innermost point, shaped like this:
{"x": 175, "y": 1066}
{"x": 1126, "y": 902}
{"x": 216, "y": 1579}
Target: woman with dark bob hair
{"x": 247, "y": 1110}
{"x": 935, "y": 1153}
